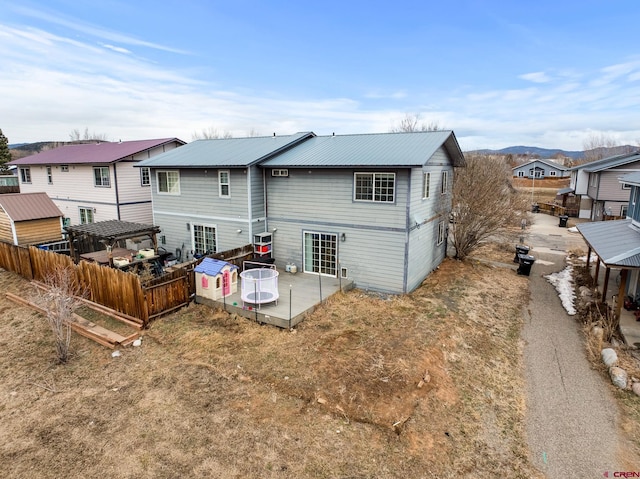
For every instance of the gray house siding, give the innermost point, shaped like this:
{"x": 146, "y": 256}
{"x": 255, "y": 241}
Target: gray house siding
{"x": 545, "y": 169}
{"x": 320, "y": 200}
{"x": 199, "y": 203}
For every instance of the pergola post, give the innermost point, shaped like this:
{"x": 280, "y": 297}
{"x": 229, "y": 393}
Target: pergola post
{"x": 605, "y": 286}
{"x": 621, "y": 290}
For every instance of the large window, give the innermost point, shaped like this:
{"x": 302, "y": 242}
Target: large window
{"x": 25, "y": 175}
{"x": 376, "y": 187}
{"x": 426, "y": 185}
{"x": 168, "y": 182}
{"x": 204, "y": 239}
{"x": 223, "y": 183}
{"x": 101, "y": 176}
{"x": 145, "y": 178}
{"x": 86, "y": 215}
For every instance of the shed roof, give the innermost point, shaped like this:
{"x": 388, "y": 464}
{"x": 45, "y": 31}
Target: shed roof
{"x": 224, "y": 152}
{"x": 29, "y": 206}
{"x": 113, "y": 230}
{"x": 370, "y": 150}
{"x": 617, "y": 243}
{"x": 631, "y": 178}
{"x": 103, "y": 152}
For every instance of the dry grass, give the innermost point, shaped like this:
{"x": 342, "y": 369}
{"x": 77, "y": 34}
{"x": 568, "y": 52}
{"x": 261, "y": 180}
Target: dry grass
{"x": 212, "y": 395}
{"x": 541, "y": 191}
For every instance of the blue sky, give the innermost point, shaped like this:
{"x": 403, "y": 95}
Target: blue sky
{"x": 499, "y": 73}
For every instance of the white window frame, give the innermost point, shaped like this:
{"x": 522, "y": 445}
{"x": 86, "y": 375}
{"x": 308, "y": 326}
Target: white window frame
{"x": 145, "y": 176}
{"x": 205, "y": 228}
{"x": 222, "y": 182}
{"x": 626, "y": 186}
{"x": 25, "y": 174}
{"x": 376, "y": 190}
{"x": 445, "y": 182}
{"x": 426, "y": 185}
{"x": 441, "y": 232}
{"x": 49, "y": 175}
{"x": 103, "y": 181}
{"x": 593, "y": 179}
{"x": 552, "y": 173}
{"x": 174, "y": 188}
{"x": 64, "y": 168}
{"x": 86, "y": 215}
{"x": 520, "y": 174}
{"x": 280, "y": 172}
{"x": 320, "y": 253}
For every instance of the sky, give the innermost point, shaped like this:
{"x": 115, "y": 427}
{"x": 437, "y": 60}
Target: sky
{"x": 552, "y": 74}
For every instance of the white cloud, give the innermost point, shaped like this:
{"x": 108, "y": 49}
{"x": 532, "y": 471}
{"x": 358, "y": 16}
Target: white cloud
{"x": 536, "y": 77}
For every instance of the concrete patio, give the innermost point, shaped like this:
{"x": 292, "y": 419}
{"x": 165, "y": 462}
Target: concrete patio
{"x": 299, "y": 295}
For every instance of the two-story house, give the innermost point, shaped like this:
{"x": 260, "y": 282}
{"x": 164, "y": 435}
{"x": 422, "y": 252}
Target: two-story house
{"x": 96, "y": 181}
{"x": 597, "y": 185}
{"x": 373, "y": 208}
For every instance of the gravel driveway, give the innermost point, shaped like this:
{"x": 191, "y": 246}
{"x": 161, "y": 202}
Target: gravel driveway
{"x": 571, "y": 413}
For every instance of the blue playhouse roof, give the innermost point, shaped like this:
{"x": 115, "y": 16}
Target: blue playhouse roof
{"x": 212, "y": 267}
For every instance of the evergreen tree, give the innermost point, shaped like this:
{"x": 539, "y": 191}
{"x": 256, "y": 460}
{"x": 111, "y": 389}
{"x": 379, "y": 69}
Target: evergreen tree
{"x": 5, "y": 154}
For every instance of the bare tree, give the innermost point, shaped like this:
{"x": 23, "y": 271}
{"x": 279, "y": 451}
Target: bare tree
{"x": 484, "y": 203}
{"x": 412, "y": 122}
{"x": 59, "y": 300}
{"x": 75, "y": 135}
{"x": 211, "y": 134}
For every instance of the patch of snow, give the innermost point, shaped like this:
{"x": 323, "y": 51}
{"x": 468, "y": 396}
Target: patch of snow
{"x": 563, "y": 282}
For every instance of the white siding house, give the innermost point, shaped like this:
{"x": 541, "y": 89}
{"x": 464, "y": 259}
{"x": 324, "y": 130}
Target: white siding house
{"x": 94, "y": 182}
{"x": 371, "y": 208}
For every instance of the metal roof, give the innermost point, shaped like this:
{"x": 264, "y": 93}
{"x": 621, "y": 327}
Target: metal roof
{"x": 552, "y": 164}
{"x": 103, "y": 152}
{"x": 617, "y": 243}
{"x": 224, "y": 152}
{"x": 564, "y": 191}
{"x": 631, "y": 178}
{"x": 369, "y": 150}
{"x": 29, "y": 206}
{"x": 610, "y": 162}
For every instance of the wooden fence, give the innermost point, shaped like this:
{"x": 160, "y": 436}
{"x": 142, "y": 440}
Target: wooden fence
{"x": 110, "y": 287}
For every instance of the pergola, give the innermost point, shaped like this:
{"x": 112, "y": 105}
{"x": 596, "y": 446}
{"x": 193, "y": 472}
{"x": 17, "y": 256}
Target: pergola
{"x": 109, "y": 233}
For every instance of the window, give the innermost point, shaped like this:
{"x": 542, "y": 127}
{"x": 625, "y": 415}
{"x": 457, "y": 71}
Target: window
{"x": 145, "y": 178}
{"x": 520, "y": 174}
{"x": 626, "y": 186}
{"x": 49, "y": 176}
{"x": 376, "y": 187}
{"x": 25, "y": 175}
{"x": 441, "y": 232}
{"x": 593, "y": 179}
{"x": 223, "y": 184}
{"x": 552, "y": 173}
{"x": 168, "y": 182}
{"x": 86, "y": 215}
{"x": 64, "y": 168}
{"x": 445, "y": 182}
{"x": 204, "y": 239}
{"x": 279, "y": 172}
{"x": 624, "y": 210}
{"x": 101, "y": 176}
{"x": 426, "y": 185}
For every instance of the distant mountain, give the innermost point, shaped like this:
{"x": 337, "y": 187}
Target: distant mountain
{"x": 546, "y": 153}
{"x": 532, "y": 151}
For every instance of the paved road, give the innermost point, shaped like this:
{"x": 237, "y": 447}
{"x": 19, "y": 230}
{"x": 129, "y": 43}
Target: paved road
{"x": 571, "y": 414}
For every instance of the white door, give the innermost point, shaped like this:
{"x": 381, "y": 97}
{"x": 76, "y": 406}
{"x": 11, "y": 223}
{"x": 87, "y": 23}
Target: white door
{"x": 320, "y": 253}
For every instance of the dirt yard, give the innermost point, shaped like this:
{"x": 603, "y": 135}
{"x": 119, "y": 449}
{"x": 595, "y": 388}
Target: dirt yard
{"x": 427, "y": 385}
{"x": 541, "y": 191}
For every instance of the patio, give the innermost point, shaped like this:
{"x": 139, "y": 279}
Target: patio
{"x": 299, "y": 294}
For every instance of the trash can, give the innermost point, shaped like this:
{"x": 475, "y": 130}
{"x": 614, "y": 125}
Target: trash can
{"x": 520, "y": 249}
{"x": 535, "y": 208}
{"x": 526, "y": 261}
{"x": 563, "y": 221}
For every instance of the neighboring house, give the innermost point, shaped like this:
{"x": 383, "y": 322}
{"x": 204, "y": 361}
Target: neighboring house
{"x": 617, "y": 243}
{"x": 373, "y": 208}
{"x": 93, "y": 182}
{"x": 598, "y": 186}
{"x": 540, "y": 169}
{"x": 29, "y": 219}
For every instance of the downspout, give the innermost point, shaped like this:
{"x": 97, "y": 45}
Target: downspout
{"x": 115, "y": 180}
{"x": 249, "y": 208}
{"x": 405, "y": 272}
